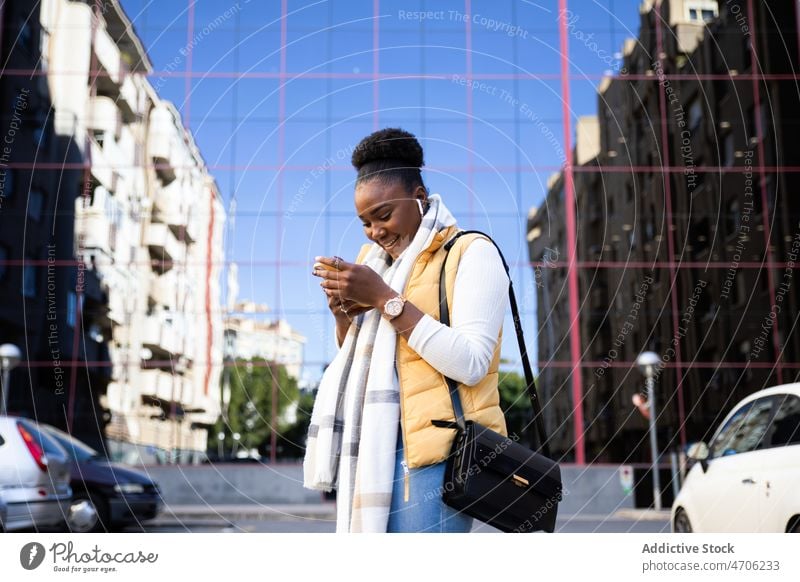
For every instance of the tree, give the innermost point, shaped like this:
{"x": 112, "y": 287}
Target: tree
{"x": 250, "y": 407}
{"x": 294, "y": 438}
{"x": 516, "y": 405}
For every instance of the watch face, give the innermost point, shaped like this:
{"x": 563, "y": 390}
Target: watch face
{"x": 394, "y": 307}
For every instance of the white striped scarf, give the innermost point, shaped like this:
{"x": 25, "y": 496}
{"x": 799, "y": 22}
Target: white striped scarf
{"x": 354, "y": 422}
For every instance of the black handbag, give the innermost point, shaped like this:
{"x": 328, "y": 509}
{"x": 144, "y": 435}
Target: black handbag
{"x": 492, "y": 477}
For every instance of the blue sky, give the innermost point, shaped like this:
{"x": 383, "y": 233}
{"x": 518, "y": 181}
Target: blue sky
{"x": 233, "y": 107}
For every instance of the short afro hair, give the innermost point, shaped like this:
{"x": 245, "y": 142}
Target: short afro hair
{"x": 389, "y": 155}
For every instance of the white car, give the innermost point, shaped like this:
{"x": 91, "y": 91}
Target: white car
{"x": 748, "y": 478}
{"x": 34, "y": 476}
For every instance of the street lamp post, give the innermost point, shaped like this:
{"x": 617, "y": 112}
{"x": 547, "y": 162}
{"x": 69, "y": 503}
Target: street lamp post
{"x": 236, "y": 437}
{"x": 647, "y": 362}
{"x": 220, "y": 444}
{"x": 9, "y": 358}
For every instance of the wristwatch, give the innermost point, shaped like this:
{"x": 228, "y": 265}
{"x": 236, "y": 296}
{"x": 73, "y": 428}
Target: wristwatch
{"x": 394, "y": 306}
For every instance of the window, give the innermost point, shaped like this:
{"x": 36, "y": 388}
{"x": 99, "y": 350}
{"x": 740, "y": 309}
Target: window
{"x": 732, "y": 218}
{"x": 766, "y": 117}
{"x": 698, "y": 235}
{"x": 44, "y": 50}
{"x": 40, "y": 130}
{"x": 35, "y": 205}
{"x": 728, "y": 150}
{"x": 28, "y": 280}
{"x": 114, "y": 214}
{"x": 745, "y": 429}
{"x": 72, "y": 308}
{"x": 784, "y": 430}
{"x": 649, "y": 230}
{"x": 701, "y": 10}
{"x": 696, "y": 15}
{"x": 759, "y": 122}
{"x": 695, "y": 114}
{"x": 25, "y": 38}
{"x": 739, "y": 292}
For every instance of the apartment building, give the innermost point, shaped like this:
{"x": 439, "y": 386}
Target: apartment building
{"x": 132, "y": 357}
{"x": 53, "y": 305}
{"x": 250, "y": 336}
{"x": 674, "y": 244}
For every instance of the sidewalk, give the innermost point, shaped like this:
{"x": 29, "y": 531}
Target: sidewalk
{"x": 327, "y": 511}
{"x": 254, "y": 511}
{"x": 643, "y": 514}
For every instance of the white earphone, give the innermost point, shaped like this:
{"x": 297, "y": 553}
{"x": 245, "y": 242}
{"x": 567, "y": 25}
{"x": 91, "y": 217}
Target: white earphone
{"x": 419, "y": 203}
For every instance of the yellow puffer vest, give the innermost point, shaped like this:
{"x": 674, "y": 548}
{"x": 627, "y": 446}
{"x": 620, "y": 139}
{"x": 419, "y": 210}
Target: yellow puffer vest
{"x": 424, "y": 394}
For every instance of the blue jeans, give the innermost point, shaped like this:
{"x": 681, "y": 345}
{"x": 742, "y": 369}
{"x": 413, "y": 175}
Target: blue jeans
{"x": 424, "y": 511}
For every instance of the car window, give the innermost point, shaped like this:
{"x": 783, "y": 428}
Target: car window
{"x": 76, "y": 449}
{"x": 784, "y": 429}
{"x": 745, "y": 430}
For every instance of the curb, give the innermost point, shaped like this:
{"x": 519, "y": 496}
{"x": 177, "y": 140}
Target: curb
{"x": 643, "y": 514}
{"x": 218, "y": 513}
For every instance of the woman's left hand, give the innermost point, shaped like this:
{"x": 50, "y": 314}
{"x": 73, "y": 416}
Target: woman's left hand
{"x": 355, "y": 282}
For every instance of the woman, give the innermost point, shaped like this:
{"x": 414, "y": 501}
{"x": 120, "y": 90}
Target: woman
{"x": 371, "y": 435}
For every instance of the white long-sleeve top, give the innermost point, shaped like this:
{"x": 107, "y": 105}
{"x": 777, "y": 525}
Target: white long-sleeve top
{"x": 463, "y": 350}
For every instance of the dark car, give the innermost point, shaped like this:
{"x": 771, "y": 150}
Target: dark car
{"x": 105, "y": 495}
{"x": 3, "y": 513}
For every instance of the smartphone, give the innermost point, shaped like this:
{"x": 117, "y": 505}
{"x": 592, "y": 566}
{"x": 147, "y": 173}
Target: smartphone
{"x": 332, "y": 268}
{"x": 324, "y": 266}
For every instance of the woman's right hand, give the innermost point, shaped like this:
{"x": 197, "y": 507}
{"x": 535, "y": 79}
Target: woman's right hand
{"x": 343, "y": 320}
{"x": 351, "y": 308}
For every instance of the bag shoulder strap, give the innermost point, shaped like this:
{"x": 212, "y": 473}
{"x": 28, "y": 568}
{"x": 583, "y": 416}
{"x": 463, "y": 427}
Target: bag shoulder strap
{"x": 537, "y": 430}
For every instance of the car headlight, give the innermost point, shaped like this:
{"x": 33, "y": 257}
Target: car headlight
{"x": 129, "y": 488}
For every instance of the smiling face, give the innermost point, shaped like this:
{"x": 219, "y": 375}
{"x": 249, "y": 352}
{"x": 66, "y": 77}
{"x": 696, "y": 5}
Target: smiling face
{"x": 389, "y": 213}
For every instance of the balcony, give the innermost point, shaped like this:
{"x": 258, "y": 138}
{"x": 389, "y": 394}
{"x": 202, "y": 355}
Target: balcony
{"x": 689, "y": 35}
{"x": 160, "y": 336}
{"x": 108, "y": 54}
{"x": 159, "y": 384}
{"x": 116, "y": 308}
{"x": 172, "y": 206}
{"x": 161, "y": 144}
{"x": 168, "y": 203}
{"x": 102, "y": 169}
{"x": 162, "y": 244}
{"x": 103, "y": 115}
{"x": 93, "y": 226}
{"x": 164, "y": 290}
{"x": 194, "y": 191}
{"x": 186, "y": 232}
{"x": 129, "y": 101}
